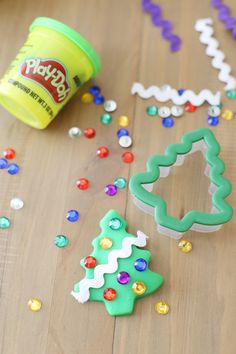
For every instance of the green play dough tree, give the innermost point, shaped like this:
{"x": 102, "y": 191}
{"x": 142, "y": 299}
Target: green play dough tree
{"x": 119, "y": 266}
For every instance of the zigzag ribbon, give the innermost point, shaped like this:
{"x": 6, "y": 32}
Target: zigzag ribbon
{"x": 205, "y": 27}
{"x": 173, "y": 95}
{"x": 224, "y": 16}
{"x": 112, "y": 265}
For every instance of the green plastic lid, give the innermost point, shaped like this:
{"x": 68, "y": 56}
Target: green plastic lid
{"x": 72, "y": 35}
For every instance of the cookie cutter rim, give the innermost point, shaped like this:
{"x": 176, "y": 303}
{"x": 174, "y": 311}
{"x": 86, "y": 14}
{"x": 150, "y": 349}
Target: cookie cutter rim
{"x": 158, "y": 166}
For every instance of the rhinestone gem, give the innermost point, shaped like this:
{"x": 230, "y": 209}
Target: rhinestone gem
{"x": 35, "y": 304}
{"x": 213, "y": 120}
{"x": 120, "y": 182}
{"x": 102, "y": 152}
{"x": 3, "y": 163}
{"x": 72, "y": 215}
{"x": 123, "y": 121}
{"x": 16, "y": 203}
{"x": 115, "y": 224}
{"x": 5, "y": 223}
{"x": 111, "y": 190}
{"x": 189, "y": 107}
{"x": 13, "y": 169}
{"x": 105, "y": 118}
{"x": 162, "y": 307}
{"x": 109, "y": 294}
{"x": 152, "y": 110}
{"x": 164, "y": 112}
{"x": 89, "y": 133}
{"x": 87, "y": 97}
{"x": 90, "y": 262}
{"x": 231, "y": 94}
{"x": 74, "y": 132}
{"x": 168, "y": 122}
{"x": 123, "y": 278}
{"x": 214, "y": 111}
{"x": 185, "y": 246}
{"x": 94, "y": 90}
{"x": 110, "y": 106}
{"x": 140, "y": 264}
{"x": 82, "y": 183}
{"x": 106, "y": 243}
{"x": 139, "y": 288}
{"x": 9, "y": 153}
{"x": 61, "y": 241}
{"x": 125, "y": 141}
{"x": 127, "y": 157}
{"x": 122, "y": 132}
{"x": 227, "y": 114}
{"x": 177, "y": 111}
{"x": 98, "y": 99}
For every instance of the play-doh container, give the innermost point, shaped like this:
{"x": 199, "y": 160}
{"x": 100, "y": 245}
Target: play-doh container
{"x": 48, "y": 70}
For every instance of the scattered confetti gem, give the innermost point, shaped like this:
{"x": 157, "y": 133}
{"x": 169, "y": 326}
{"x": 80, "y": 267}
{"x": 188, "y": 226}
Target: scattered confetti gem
{"x": 164, "y": 112}
{"x": 123, "y": 278}
{"x": 13, "y": 169}
{"x": 74, "y": 132}
{"x": 122, "y": 132}
{"x": 123, "y": 121}
{"x": 90, "y": 262}
{"x": 110, "y": 106}
{"x": 82, "y": 183}
{"x": 168, "y": 122}
{"x": 226, "y": 114}
{"x": 120, "y": 182}
{"x": 98, "y": 99}
{"x": 72, "y": 215}
{"x": 5, "y": 223}
{"x": 125, "y": 141}
{"x": 16, "y": 203}
{"x": 111, "y": 190}
{"x": 35, "y": 304}
{"x": 94, "y": 90}
{"x": 102, "y": 152}
{"x": 185, "y": 246}
{"x": 139, "y": 288}
{"x": 9, "y": 154}
{"x": 87, "y": 98}
{"x": 152, "y": 110}
{"x": 162, "y": 308}
{"x": 106, "y": 243}
{"x": 61, "y": 241}
{"x": 213, "y": 120}
{"x": 115, "y": 224}
{"x": 109, "y": 294}
{"x": 3, "y": 163}
{"x": 89, "y": 133}
{"x": 177, "y": 111}
{"x": 127, "y": 157}
{"x": 189, "y": 107}
{"x": 105, "y": 118}
{"x": 231, "y": 94}
{"x": 214, "y": 111}
{"x": 181, "y": 91}
{"x": 140, "y": 264}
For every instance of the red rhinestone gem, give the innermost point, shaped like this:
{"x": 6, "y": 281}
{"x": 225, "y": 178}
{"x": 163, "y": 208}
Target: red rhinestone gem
{"x": 89, "y": 133}
{"x": 9, "y": 154}
{"x": 90, "y": 262}
{"x": 82, "y": 183}
{"x": 109, "y": 294}
{"x": 189, "y": 107}
{"x": 127, "y": 157}
{"x": 102, "y": 152}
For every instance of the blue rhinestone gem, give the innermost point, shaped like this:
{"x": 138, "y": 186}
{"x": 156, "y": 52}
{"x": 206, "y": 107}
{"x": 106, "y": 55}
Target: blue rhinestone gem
{"x": 72, "y": 215}
{"x": 13, "y": 169}
{"x": 122, "y": 132}
{"x": 181, "y": 91}
{"x": 3, "y": 163}
{"x": 213, "y": 120}
{"x": 98, "y": 99}
{"x": 140, "y": 264}
{"x": 94, "y": 90}
{"x": 168, "y": 122}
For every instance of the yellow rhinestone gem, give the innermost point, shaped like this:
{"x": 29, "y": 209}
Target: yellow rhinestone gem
{"x": 106, "y": 243}
{"x": 139, "y": 288}
{"x": 123, "y": 121}
{"x": 87, "y": 98}
{"x": 35, "y": 304}
{"x": 185, "y": 246}
{"x": 162, "y": 307}
{"x": 227, "y": 114}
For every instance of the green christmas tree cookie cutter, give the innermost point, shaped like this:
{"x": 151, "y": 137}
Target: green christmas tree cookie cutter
{"x": 158, "y": 166}
{"x": 120, "y": 254}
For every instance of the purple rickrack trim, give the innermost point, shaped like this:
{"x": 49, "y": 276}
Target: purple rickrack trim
{"x": 224, "y": 16}
{"x": 167, "y": 27}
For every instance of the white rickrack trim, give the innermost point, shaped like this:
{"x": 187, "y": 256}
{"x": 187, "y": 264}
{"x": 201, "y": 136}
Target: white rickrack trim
{"x": 168, "y": 93}
{"x": 205, "y": 27}
{"x": 111, "y": 267}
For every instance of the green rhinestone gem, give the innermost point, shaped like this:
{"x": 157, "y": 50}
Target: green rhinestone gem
{"x": 120, "y": 182}
{"x": 152, "y": 110}
{"x": 4, "y": 222}
{"x": 115, "y": 224}
{"x": 105, "y": 118}
{"x": 61, "y": 241}
{"x": 231, "y": 94}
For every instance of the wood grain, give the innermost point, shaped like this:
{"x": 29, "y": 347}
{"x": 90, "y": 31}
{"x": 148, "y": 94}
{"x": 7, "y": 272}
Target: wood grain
{"x": 200, "y": 287}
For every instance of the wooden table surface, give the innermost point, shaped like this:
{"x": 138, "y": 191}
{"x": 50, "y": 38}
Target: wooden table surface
{"x": 200, "y": 286}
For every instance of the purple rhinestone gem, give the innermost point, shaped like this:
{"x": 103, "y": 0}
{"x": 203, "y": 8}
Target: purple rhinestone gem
{"x": 123, "y": 278}
{"x": 111, "y": 190}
